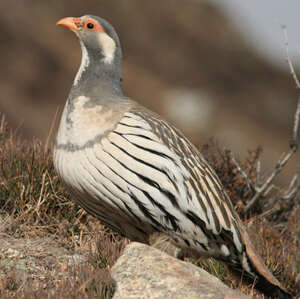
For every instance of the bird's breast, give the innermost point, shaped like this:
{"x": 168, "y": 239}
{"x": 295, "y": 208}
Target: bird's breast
{"x": 82, "y": 122}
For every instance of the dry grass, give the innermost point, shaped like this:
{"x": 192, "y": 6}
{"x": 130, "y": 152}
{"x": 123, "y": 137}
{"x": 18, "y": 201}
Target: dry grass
{"x": 50, "y": 248}
{"x": 273, "y": 225}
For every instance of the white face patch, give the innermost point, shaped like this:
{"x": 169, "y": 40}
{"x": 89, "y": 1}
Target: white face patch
{"x": 85, "y": 61}
{"x": 108, "y": 47}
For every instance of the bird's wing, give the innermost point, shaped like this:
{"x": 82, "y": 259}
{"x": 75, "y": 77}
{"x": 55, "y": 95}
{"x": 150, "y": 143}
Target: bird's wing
{"x": 144, "y": 176}
{"x": 170, "y": 184}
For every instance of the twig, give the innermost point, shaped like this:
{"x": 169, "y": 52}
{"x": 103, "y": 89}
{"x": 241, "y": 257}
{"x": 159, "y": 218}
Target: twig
{"x": 293, "y": 188}
{"x": 288, "y": 198}
{"x": 2, "y": 123}
{"x": 258, "y": 176}
{"x": 288, "y": 59}
{"x": 243, "y": 173}
{"x": 268, "y": 190}
{"x": 294, "y": 142}
{"x": 261, "y": 191}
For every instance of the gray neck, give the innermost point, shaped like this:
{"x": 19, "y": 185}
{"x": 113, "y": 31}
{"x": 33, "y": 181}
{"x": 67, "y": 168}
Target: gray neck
{"x": 97, "y": 78}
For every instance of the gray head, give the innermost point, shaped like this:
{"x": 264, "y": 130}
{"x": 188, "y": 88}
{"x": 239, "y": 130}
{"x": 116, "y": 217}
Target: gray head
{"x": 101, "y": 65}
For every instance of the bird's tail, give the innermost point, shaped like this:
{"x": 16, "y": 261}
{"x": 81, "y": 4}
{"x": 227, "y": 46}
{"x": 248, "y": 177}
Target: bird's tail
{"x": 264, "y": 279}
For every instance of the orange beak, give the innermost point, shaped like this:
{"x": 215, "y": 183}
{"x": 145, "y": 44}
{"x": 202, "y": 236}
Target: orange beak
{"x": 70, "y": 23}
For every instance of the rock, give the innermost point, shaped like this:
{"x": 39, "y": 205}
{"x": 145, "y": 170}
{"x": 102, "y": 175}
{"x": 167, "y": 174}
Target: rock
{"x": 145, "y": 272}
{"x": 36, "y": 258}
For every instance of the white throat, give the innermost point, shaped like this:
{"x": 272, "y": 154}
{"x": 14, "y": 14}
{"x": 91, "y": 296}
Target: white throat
{"x": 85, "y": 61}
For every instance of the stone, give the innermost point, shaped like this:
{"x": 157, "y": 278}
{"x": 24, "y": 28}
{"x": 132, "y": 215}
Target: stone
{"x": 145, "y": 272}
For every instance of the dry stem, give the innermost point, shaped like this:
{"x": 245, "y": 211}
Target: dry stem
{"x": 262, "y": 190}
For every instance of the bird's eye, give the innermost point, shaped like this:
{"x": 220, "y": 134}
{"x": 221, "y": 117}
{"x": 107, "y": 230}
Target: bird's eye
{"x": 90, "y": 25}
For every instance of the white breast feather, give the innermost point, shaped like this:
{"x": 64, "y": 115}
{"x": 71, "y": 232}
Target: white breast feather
{"x": 83, "y": 123}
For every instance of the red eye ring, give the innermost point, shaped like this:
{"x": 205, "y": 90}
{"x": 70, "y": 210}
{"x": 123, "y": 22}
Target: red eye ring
{"x": 92, "y": 25}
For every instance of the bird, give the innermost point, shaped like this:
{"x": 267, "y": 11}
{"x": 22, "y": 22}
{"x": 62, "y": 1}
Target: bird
{"x": 136, "y": 172}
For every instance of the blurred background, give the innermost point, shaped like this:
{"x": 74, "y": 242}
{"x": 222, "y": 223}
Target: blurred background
{"x": 214, "y": 68}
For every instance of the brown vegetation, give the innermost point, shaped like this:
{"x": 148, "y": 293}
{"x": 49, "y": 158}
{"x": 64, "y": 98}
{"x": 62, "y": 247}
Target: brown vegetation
{"x": 55, "y": 250}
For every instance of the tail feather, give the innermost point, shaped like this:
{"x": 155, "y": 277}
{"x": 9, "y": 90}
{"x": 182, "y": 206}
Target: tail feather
{"x": 265, "y": 281}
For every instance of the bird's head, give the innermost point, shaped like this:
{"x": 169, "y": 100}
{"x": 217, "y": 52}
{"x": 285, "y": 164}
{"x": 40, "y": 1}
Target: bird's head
{"x": 101, "y": 63}
{"x": 97, "y": 35}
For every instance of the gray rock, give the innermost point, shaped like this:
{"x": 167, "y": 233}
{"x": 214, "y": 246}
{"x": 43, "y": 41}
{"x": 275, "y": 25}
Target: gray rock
{"x": 145, "y": 272}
